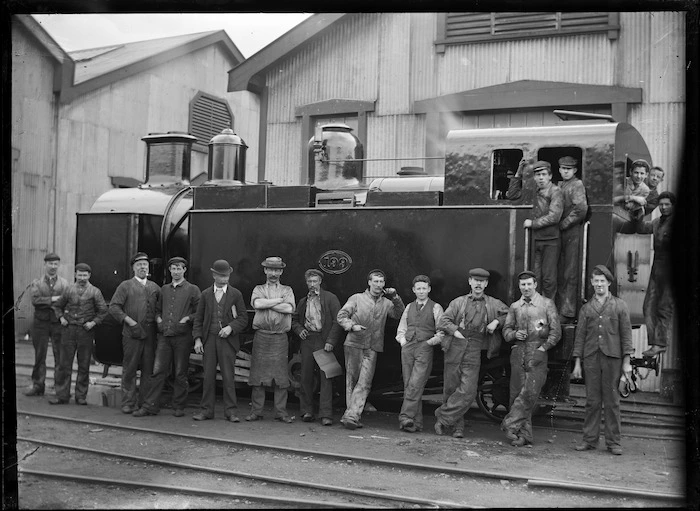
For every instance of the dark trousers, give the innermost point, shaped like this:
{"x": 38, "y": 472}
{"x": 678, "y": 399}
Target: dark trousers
{"x": 567, "y": 289}
{"x": 137, "y": 353}
{"x": 313, "y": 342}
{"x": 42, "y": 331}
{"x": 257, "y": 399}
{"x": 461, "y": 380}
{"x": 545, "y": 266}
{"x": 528, "y": 373}
{"x": 416, "y": 365}
{"x": 221, "y": 352}
{"x": 75, "y": 339}
{"x": 658, "y": 306}
{"x": 170, "y": 350}
{"x": 602, "y": 377}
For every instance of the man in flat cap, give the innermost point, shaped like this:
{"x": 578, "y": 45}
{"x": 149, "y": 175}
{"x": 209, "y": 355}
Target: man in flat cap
{"x": 45, "y": 292}
{"x": 573, "y": 216}
{"x": 603, "y": 337}
{"x": 274, "y": 304}
{"x": 475, "y": 322}
{"x": 659, "y": 304}
{"x": 656, "y": 175}
{"x": 314, "y": 321}
{"x": 532, "y": 325}
{"x": 636, "y": 191}
{"x": 175, "y": 309}
{"x": 363, "y": 317}
{"x": 134, "y": 305}
{"x": 80, "y": 309}
{"x": 417, "y": 334}
{"x": 220, "y": 317}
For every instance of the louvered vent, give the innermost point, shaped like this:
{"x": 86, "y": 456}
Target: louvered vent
{"x": 209, "y": 115}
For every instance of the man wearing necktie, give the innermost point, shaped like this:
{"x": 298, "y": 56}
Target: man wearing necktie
{"x": 314, "y": 321}
{"x": 533, "y": 326}
{"x": 221, "y": 316}
{"x": 45, "y": 292}
{"x": 473, "y": 323}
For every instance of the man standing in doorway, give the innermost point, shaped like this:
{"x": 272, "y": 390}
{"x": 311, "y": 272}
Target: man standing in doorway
{"x": 45, "y": 293}
{"x": 533, "y": 325}
{"x": 364, "y": 317}
{"x": 274, "y": 305}
{"x": 603, "y": 336}
{"x": 134, "y": 305}
{"x": 656, "y": 175}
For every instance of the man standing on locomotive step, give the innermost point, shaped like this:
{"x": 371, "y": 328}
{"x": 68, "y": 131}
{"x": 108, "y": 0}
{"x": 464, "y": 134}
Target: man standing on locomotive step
{"x": 573, "y": 216}
{"x": 134, "y": 305}
{"x": 314, "y": 322}
{"x": 656, "y": 175}
{"x": 532, "y": 324}
{"x": 274, "y": 305}
{"x": 45, "y": 292}
{"x": 659, "y": 305}
{"x": 80, "y": 309}
{"x": 603, "y": 336}
{"x": 221, "y": 316}
{"x": 417, "y": 334}
{"x": 175, "y": 311}
{"x": 474, "y": 322}
{"x": 363, "y": 317}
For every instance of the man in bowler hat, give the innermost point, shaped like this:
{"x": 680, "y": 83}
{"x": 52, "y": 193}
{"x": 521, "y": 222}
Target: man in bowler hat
{"x": 221, "y": 316}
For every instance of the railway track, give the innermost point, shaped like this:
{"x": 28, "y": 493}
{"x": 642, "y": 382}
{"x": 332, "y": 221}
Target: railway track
{"x": 284, "y": 491}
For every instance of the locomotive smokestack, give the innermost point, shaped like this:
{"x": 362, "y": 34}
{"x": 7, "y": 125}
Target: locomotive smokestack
{"x": 168, "y": 157}
{"x": 226, "y": 159}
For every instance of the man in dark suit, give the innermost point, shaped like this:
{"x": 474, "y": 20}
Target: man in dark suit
{"x": 221, "y": 315}
{"x": 314, "y": 322}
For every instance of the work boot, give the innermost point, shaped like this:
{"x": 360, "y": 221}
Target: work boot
{"x": 58, "y": 401}
{"x": 459, "y": 433}
{"x": 654, "y": 350}
{"x": 615, "y": 449}
{"x": 34, "y": 391}
{"x": 141, "y": 412}
{"x": 439, "y": 428}
{"x": 584, "y": 446}
{"x": 519, "y": 442}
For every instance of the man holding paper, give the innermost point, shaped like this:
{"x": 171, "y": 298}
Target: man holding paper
{"x": 314, "y": 321}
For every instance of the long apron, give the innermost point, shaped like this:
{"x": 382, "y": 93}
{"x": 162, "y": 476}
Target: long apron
{"x": 269, "y": 360}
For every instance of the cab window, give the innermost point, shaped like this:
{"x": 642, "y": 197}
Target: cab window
{"x": 504, "y": 164}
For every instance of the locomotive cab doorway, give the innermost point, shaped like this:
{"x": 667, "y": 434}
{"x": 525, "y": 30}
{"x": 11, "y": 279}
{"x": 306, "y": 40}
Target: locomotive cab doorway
{"x": 552, "y": 155}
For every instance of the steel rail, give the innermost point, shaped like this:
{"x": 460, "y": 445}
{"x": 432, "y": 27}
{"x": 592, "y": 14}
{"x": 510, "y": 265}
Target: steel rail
{"x": 364, "y": 459}
{"x": 607, "y": 489}
{"x": 185, "y": 489}
{"x": 248, "y": 475}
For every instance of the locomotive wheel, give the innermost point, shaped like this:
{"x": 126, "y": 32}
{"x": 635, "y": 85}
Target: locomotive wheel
{"x": 294, "y": 371}
{"x": 490, "y": 396}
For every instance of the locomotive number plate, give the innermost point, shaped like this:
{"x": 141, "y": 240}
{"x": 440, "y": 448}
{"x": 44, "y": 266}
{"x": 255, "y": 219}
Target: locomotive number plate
{"x": 335, "y": 261}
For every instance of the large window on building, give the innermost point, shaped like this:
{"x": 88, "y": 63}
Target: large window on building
{"x": 471, "y": 27}
{"x": 208, "y": 116}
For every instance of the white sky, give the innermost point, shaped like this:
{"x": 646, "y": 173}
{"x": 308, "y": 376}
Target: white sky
{"x": 250, "y": 32}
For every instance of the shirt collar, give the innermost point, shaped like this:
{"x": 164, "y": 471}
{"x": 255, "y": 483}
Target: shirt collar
{"x": 475, "y": 299}
{"x": 142, "y": 281}
{"x": 535, "y": 301}
{"x": 224, "y": 288}
{"x": 177, "y": 284}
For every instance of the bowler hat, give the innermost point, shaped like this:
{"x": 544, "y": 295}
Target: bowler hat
{"x": 527, "y": 274}
{"x": 83, "y": 267}
{"x": 568, "y": 161}
{"x": 376, "y": 271}
{"x": 641, "y": 163}
{"x": 176, "y": 260}
{"x": 604, "y": 270}
{"x": 542, "y": 165}
{"x": 140, "y": 256}
{"x": 273, "y": 262}
{"x": 221, "y": 267}
{"x": 311, "y": 272}
{"x": 479, "y": 273}
{"x": 52, "y": 256}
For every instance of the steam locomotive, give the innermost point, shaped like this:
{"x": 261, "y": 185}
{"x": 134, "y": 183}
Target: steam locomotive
{"x": 407, "y": 225}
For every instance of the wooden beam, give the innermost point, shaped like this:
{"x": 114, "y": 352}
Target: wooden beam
{"x": 335, "y": 107}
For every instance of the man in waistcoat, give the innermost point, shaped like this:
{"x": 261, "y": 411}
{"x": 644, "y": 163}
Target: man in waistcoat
{"x": 134, "y": 305}
{"x": 80, "y": 309}
{"x": 45, "y": 292}
{"x": 314, "y": 321}
{"x": 532, "y": 324}
{"x": 274, "y": 305}
{"x": 221, "y": 316}
{"x": 417, "y": 334}
{"x": 474, "y": 322}
{"x": 573, "y": 216}
{"x": 175, "y": 311}
{"x": 363, "y": 317}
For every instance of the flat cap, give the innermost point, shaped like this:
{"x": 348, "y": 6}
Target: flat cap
{"x": 83, "y": 267}
{"x": 604, "y": 270}
{"x": 527, "y": 274}
{"x": 221, "y": 267}
{"x": 313, "y": 271}
{"x": 378, "y": 272}
{"x": 568, "y": 161}
{"x": 176, "y": 260}
{"x": 641, "y": 163}
{"x": 542, "y": 165}
{"x": 52, "y": 256}
{"x": 479, "y": 273}
{"x": 139, "y": 256}
{"x": 273, "y": 262}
